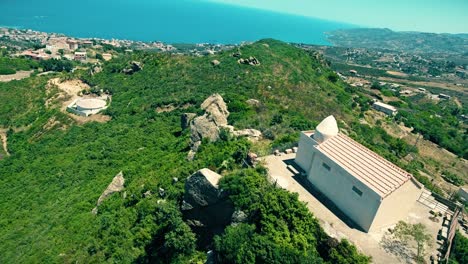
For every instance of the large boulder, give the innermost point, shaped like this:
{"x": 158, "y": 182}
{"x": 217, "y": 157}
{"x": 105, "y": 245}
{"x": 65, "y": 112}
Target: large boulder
{"x": 208, "y": 125}
{"x": 250, "y": 61}
{"x": 252, "y": 134}
{"x": 216, "y": 109}
{"x": 133, "y": 67}
{"x": 206, "y": 208}
{"x": 201, "y": 188}
{"x": 202, "y": 127}
{"x": 116, "y": 185}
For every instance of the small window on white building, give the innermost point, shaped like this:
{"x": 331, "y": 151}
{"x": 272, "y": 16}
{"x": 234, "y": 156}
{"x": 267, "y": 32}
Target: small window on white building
{"x": 326, "y": 166}
{"x": 357, "y": 191}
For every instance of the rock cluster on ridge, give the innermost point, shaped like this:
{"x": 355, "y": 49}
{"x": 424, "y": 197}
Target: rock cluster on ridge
{"x": 208, "y": 125}
{"x": 206, "y": 207}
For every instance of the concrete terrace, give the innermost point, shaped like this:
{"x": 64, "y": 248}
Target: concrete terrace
{"x": 336, "y": 224}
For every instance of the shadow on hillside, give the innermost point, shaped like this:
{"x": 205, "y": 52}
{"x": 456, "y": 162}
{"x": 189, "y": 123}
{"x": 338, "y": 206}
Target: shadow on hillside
{"x": 302, "y": 180}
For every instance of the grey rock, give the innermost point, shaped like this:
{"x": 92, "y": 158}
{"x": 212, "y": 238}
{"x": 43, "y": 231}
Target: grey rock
{"x": 252, "y": 134}
{"x": 116, "y": 185}
{"x": 201, "y": 127}
{"x": 186, "y": 206}
{"x": 195, "y": 223}
{"x": 252, "y": 159}
{"x": 206, "y": 207}
{"x": 238, "y": 216}
{"x": 162, "y": 192}
{"x": 250, "y": 61}
{"x": 201, "y": 188}
{"x": 216, "y": 109}
{"x": 134, "y": 67}
{"x": 253, "y": 102}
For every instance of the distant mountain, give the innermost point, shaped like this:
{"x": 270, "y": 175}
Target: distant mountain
{"x": 384, "y": 38}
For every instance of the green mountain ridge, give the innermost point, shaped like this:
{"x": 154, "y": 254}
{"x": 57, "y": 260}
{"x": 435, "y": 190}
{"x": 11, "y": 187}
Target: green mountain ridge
{"x": 384, "y": 38}
{"x": 58, "y": 168}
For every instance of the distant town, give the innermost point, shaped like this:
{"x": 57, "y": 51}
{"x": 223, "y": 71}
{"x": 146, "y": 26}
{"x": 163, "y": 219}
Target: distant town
{"x": 43, "y": 46}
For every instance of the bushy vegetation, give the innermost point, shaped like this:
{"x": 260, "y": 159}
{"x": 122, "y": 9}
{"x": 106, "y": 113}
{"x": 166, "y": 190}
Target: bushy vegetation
{"x": 56, "y": 65}
{"x": 453, "y": 178}
{"x": 437, "y": 122}
{"x": 280, "y": 229}
{"x": 12, "y": 65}
{"x": 58, "y": 169}
{"x": 459, "y": 251}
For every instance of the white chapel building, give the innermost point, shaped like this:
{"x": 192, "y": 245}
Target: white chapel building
{"x": 371, "y": 191}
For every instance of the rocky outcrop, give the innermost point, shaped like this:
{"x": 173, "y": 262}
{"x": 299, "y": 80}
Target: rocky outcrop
{"x": 206, "y": 207}
{"x": 215, "y": 62}
{"x": 208, "y": 125}
{"x": 238, "y": 217}
{"x": 252, "y": 134}
{"x": 116, "y": 185}
{"x": 237, "y": 54}
{"x": 201, "y": 188}
{"x": 202, "y": 127}
{"x": 253, "y": 102}
{"x": 251, "y": 159}
{"x": 134, "y": 67}
{"x": 96, "y": 69}
{"x": 250, "y": 61}
{"x": 216, "y": 109}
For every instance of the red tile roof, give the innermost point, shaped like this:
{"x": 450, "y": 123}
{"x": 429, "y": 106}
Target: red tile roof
{"x": 365, "y": 165}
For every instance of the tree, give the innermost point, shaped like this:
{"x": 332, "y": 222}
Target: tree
{"x": 414, "y": 232}
{"x": 459, "y": 253}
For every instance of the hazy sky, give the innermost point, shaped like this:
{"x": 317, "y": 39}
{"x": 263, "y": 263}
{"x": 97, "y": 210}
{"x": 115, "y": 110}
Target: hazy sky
{"x": 449, "y": 16}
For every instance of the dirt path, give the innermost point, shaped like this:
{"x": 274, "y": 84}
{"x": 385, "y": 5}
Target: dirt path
{"x": 3, "y": 137}
{"x": 68, "y": 90}
{"x": 17, "y": 76}
{"x": 445, "y": 85}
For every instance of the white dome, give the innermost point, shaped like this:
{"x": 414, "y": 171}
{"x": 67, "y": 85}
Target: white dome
{"x": 326, "y": 129}
{"x": 90, "y": 104}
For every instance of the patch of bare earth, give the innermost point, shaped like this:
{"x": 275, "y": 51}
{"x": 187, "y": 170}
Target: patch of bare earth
{"x": 4, "y": 139}
{"x": 401, "y": 74}
{"x": 445, "y": 85}
{"x": 64, "y": 93}
{"x": 17, "y": 76}
{"x": 436, "y": 159}
{"x": 170, "y": 108}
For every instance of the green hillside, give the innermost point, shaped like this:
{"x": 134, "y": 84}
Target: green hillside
{"x": 58, "y": 168}
{"x": 384, "y": 38}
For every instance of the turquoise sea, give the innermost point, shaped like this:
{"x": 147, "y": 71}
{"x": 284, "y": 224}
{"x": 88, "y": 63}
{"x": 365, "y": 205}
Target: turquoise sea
{"x": 173, "y": 21}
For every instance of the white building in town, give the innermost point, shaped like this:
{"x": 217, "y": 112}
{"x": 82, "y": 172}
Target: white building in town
{"x": 385, "y": 108}
{"x": 371, "y": 191}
